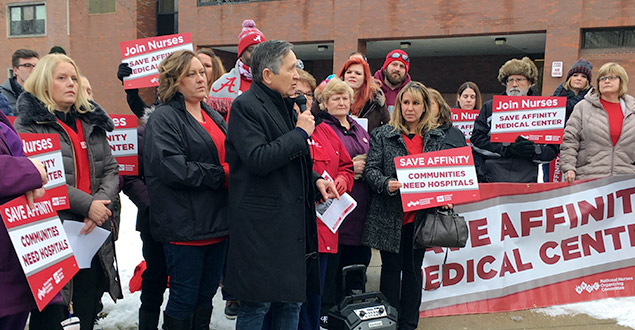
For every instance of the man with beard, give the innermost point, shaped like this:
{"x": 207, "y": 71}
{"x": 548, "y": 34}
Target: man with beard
{"x": 393, "y": 75}
{"x": 510, "y": 162}
{"x": 237, "y": 80}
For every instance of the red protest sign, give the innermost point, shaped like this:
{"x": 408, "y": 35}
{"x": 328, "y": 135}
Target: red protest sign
{"x": 12, "y": 119}
{"x": 464, "y": 121}
{"x": 537, "y": 118}
{"x": 41, "y": 246}
{"x": 46, "y": 148}
{"x": 437, "y": 178}
{"x": 144, "y": 55}
{"x": 123, "y": 141}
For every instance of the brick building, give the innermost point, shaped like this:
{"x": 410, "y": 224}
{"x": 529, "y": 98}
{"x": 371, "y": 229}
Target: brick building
{"x": 449, "y": 41}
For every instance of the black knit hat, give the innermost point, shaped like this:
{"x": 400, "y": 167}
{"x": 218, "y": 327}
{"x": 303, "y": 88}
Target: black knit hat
{"x": 581, "y": 66}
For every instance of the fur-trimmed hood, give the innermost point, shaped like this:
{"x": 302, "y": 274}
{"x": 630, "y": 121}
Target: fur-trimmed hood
{"x": 32, "y": 111}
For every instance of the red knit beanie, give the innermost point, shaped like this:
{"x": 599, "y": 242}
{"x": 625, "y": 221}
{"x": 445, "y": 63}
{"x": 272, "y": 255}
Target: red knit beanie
{"x": 397, "y": 55}
{"x": 250, "y": 35}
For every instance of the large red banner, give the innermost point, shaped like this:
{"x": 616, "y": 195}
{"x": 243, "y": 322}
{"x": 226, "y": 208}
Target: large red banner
{"x": 437, "y": 178}
{"x": 559, "y": 244}
{"x": 537, "y": 118}
{"x": 46, "y": 148}
{"x": 123, "y": 141}
{"x": 41, "y": 245}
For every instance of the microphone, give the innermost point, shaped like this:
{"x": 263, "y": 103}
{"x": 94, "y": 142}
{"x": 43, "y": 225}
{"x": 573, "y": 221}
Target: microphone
{"x": 300, "y": 100}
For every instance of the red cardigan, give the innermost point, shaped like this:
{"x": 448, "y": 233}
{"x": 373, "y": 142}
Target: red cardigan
{"x": 330, "y": 155}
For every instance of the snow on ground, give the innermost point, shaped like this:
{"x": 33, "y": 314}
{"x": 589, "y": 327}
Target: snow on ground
{"x": 620, "y": 309}
{"x": 123, "y": 314}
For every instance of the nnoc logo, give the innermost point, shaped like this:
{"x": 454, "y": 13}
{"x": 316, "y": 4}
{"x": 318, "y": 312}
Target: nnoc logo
{"x": 587, "y": 287}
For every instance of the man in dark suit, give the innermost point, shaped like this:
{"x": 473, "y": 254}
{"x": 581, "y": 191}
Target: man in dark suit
{"x": 272, "y": 258}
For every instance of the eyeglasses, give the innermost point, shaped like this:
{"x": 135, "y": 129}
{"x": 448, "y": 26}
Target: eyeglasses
{"x": 307, "y": 94}
{"x": 516, "y": 80}
{"x": 403, "y": 56}
{"x": 603, "y": 78}
{"x": 300, "y": 64}
{"x": 27, "y": 65}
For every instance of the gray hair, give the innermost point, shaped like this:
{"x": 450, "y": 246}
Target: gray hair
{"x": 268, "y": 55}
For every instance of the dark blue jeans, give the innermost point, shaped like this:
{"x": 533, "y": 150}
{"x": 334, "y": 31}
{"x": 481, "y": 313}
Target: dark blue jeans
{"x": 284, "y": 316}
{"x": 310, "y": 310}
{"x": 194, "y": 276}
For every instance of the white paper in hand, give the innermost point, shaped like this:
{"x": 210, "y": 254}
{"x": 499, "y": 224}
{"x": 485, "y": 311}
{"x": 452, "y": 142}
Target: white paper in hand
{"x": 333, "y": 211}
{"x": 84, "y": 246}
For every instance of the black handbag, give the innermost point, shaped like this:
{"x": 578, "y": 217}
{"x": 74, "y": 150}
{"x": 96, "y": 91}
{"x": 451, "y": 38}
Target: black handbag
{"x": 442, "y": 228}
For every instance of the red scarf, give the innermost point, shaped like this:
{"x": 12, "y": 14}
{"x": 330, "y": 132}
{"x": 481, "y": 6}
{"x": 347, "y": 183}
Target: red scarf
{"x": 80, "y": 151}
{"x": 414, "y": 146}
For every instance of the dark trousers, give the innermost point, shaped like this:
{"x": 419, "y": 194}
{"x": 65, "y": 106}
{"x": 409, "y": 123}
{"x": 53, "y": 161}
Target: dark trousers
{"x": 155, "y": 277}
{"x": 401, "y": 279}
{"x": 310, "y": 309}
{"x": 14, "y": 321}
{"x": 49, "y": 318}
{"x": 194, "y": 276}
{"x": 88, "y": 287}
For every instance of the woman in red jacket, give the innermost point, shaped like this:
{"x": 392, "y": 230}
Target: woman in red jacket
{"x": 329, "y": 156}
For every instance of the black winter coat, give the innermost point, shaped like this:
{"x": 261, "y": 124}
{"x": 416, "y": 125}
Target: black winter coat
{"x": 272, "y": 253}
{"x": 382, "y": 230}
{"x": 497, "y": 168}
{"x": 184, "y": 175}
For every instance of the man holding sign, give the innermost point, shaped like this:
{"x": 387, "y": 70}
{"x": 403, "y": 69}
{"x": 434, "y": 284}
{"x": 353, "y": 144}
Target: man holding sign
{"x": 517, "y": 161}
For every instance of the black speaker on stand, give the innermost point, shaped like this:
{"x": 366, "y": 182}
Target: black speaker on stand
{"x": 362, "y": 311}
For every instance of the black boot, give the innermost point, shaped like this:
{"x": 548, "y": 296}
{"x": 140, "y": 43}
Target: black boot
{"x": 148, "y": 320}
{"x": 170, "y": 323}
{"x": 202, "y": 316}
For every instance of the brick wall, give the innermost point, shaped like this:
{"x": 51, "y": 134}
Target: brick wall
{"x": 94, "y": 39}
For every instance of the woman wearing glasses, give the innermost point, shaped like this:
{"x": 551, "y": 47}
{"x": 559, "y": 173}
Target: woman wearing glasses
{"x": 599, "y": 136}
{"x": 368, "y": 99}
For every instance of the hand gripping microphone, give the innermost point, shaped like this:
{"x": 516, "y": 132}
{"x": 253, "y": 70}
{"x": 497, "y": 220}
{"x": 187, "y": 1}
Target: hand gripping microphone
{"x": 300, "y": 100}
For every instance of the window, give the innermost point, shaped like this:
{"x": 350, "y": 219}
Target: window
{"x": 27, "y": 19}
{"x": 608, "y": 38}
{"x": 101, "y": 6}
{"x": 220, "y": 2}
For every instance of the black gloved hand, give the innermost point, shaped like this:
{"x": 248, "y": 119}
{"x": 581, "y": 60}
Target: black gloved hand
{"x": 123, "y": 71}
{"x": 522, "y": 148}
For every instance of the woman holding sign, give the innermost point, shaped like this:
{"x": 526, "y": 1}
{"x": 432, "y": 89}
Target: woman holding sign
{"x": 599, "y": 136}
{"x": 20, "y": 175}
{"x": 54, "y": 103}
{"x": 418, "y": 124}
{"x": 186, "y": 175}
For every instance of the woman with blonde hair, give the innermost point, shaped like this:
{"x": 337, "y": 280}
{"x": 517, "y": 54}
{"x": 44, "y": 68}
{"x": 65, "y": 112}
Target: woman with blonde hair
{"x": 186, "y": 175}
{"x": 54, "y": 102}
{"x": 599, "y": 136}
{"x": 418, "y": 124}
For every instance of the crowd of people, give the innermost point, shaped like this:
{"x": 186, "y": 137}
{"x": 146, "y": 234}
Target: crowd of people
{"x": 232, "y": 166}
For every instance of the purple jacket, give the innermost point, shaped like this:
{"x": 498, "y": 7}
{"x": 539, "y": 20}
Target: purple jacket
{"x": 391, "y": 94}
{"x": 356, "y": 142}
{"x": 18, "y": 175}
